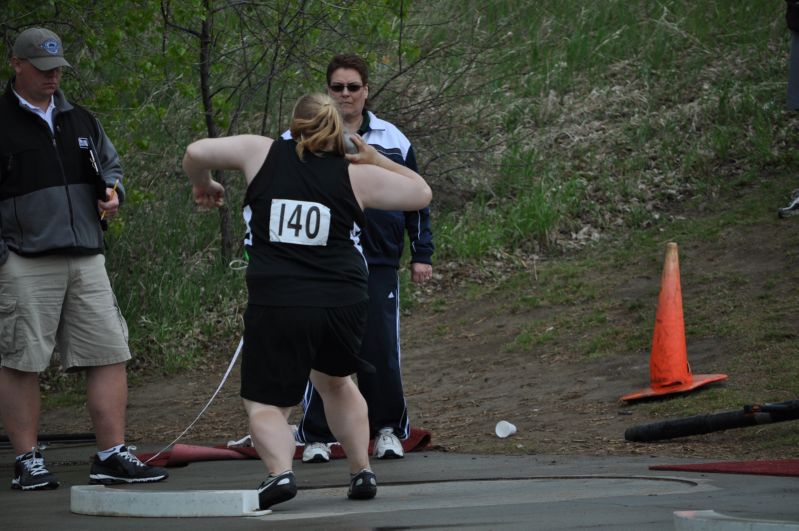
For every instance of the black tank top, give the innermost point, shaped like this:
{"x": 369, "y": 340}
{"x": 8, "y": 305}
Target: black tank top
{"x": 303, "y": 229}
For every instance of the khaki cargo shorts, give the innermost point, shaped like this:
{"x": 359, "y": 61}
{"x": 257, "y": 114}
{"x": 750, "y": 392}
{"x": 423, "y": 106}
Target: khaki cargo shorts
{"x": 59, "y": 305}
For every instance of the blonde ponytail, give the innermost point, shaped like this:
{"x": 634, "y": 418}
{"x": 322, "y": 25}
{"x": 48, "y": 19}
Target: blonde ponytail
{"x": 316, "y": 125}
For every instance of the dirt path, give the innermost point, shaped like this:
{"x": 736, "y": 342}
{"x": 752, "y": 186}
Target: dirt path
{"x": 461, "y": 377}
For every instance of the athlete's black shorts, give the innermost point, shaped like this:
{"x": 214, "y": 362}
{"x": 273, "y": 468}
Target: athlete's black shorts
{"x": 282, "y": 344}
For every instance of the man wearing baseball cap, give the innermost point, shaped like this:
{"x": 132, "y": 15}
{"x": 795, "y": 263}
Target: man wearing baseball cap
{"x": 60, "y": 181}
{"x": 41, "y": 47}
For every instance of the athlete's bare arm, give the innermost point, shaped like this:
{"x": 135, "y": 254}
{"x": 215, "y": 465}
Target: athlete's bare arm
{"x": 379, "y": 182}
{"x": 245, "y": 153}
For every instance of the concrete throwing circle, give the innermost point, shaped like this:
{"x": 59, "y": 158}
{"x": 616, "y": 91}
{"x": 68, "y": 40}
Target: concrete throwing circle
{"x": 98, "y": 500}
{"x": 331, "y": 502}
{"x": 708, "y": 520}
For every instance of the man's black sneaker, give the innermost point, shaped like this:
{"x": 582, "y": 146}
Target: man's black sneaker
{"x": 363, "y": 486}
{"x": 276, "y": 489}
{"x": 31, "y": 474}
{"x": 124, "y": 467}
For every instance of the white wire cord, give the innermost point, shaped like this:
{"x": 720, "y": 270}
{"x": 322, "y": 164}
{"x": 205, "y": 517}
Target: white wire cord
{"x": 219, "y": 388}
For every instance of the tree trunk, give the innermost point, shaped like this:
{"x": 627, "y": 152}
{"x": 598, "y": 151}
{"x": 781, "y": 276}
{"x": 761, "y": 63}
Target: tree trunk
{"x": 226, "y": 240}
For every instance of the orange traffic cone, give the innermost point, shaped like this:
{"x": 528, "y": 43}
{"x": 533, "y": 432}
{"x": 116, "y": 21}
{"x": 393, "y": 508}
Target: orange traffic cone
{"x": 669, "y": 371}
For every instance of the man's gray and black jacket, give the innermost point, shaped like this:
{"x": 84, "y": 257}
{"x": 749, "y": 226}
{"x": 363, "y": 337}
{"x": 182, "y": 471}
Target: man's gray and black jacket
{"x": 48, "y": 185}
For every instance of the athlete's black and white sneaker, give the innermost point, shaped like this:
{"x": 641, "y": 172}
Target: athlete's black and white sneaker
{"x": 276, "y": 489}
{"x": 30, "y": 473}
{"x": 363, "y": 485}
{"x": 124, "y": 467}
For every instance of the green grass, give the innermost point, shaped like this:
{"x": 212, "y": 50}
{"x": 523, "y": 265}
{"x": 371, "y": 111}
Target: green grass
{"x": 634, "y": 107}
{"x": 579, "y": 294}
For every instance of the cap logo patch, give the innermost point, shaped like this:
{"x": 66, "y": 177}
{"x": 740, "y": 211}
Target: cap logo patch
{"x": 51, "y": 46}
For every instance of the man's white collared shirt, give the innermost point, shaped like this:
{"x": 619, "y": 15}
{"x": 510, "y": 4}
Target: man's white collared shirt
{"x": 47, "y": 115}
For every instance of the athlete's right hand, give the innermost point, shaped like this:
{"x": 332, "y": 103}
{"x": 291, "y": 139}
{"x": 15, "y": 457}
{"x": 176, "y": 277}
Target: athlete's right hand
{"x": 366, "y": 154}
{"x": 209, "y": 196}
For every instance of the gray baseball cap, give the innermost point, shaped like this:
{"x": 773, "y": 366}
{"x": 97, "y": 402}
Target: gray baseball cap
{"x": 41, "y": 47}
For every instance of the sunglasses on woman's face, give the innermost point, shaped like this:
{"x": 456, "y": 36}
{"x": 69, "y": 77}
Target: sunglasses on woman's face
{"x": 351, "y": 87}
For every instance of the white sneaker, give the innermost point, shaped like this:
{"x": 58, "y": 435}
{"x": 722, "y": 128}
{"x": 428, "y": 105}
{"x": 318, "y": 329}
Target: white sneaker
{"x": 387, "y": 445}
{"x": 316, "y": 453}
{"x": 793, "y": 207}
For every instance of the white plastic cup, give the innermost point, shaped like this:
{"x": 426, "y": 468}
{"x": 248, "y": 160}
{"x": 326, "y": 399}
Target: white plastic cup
{"x": 504, "y": 429}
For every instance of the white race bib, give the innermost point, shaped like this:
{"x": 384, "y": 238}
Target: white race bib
{"x": 299, "y": 222}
